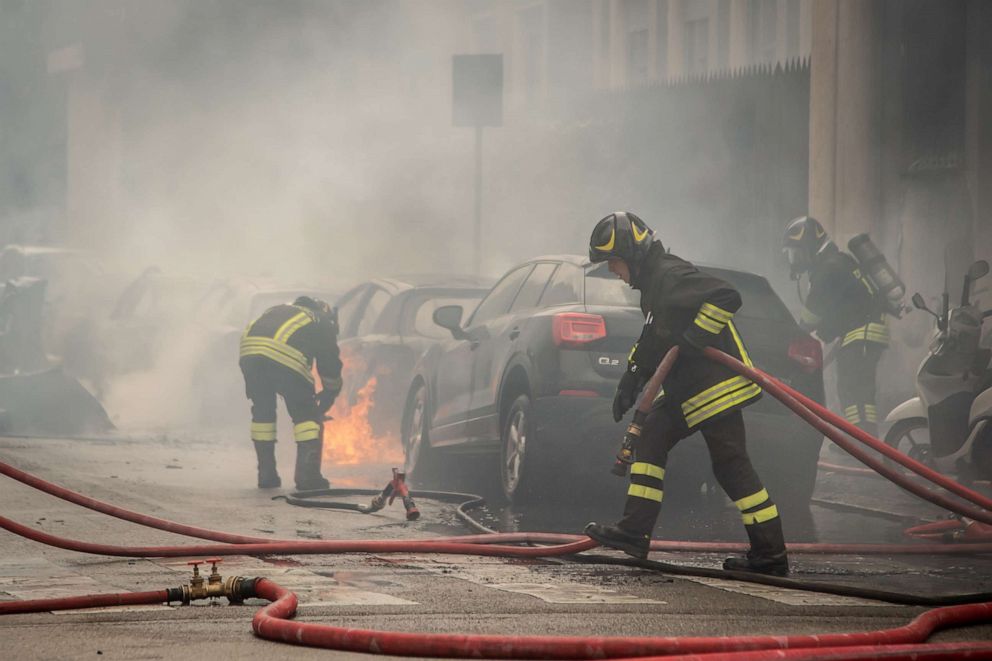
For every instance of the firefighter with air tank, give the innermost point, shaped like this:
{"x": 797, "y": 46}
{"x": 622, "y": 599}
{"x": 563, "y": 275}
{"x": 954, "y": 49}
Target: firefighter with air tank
{"x": 278, "y": 352}
{"x": 688, "y": 308}
{"x": 848, "y": 299}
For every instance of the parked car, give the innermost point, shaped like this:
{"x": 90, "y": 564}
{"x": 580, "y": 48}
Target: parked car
{"x": 385, "y": 326}
{"x": 529, "y": 378}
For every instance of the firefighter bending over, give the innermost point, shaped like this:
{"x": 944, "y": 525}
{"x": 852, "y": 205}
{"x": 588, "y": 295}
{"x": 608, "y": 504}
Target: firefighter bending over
{"x": 278, "y": 351}
{"x": 843, "y": 304}
{"x": 686, "y": 307}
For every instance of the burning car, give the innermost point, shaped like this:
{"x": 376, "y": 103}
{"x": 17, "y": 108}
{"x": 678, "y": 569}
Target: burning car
{"x": 386, "y": 325}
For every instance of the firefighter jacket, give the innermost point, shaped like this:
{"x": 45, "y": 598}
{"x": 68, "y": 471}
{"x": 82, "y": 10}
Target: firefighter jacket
{"x": 842, "y": 302}
{"x": 295, "y": 337}
{"x": 682, "y": 303}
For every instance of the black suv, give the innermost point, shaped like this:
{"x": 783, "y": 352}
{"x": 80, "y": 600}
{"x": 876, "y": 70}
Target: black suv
{"x": 530, "y": 375}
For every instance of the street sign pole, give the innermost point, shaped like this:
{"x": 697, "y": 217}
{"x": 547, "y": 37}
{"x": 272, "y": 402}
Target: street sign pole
{"x": 477, "y": 101}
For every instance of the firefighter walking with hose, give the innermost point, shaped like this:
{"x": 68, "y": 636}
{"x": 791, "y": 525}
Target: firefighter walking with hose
{"x": 278, "y": 351}
{"x": 693, "y": 310}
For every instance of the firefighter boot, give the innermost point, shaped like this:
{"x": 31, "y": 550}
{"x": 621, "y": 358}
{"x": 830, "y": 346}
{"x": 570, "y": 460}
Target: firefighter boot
{"x": 767, "y": 554}
{"x": 618, "y": 538}
{"x": 268, "y": 477}
{"x": 308, "y": 456}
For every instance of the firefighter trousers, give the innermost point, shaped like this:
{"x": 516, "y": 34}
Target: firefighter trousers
{"x": 857, "y": 364}
{"x": 726, "y": 441}
{"x": 264, "y": 381}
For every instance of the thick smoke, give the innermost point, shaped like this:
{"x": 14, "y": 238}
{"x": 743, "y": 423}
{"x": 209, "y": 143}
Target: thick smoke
{"x": 244, "y": 146}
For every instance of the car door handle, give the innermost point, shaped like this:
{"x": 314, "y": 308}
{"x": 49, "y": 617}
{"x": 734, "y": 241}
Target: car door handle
{"x": 515, "y": 333}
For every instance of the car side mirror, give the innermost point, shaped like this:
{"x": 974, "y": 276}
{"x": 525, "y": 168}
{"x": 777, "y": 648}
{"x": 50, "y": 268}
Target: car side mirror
{"x": 919, "y": 303}
{"x": 450, "y": 317}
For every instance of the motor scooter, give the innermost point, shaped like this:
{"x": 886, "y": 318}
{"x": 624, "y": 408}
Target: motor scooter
{"x": 949, "y": 424}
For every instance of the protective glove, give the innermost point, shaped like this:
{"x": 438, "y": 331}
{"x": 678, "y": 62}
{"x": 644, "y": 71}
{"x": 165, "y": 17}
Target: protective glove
{"x": 626, "y": 396}
{"x": 325, "y": 399}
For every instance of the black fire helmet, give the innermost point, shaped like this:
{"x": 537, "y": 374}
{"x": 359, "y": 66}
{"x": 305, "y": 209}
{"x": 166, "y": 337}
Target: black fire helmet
{"x": 804, "y": 239}
{"x": 621, "y": 235}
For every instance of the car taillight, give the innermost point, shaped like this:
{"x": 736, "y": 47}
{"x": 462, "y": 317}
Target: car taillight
{"x": 573, "y": 329}
{"x": 807, "y": 352}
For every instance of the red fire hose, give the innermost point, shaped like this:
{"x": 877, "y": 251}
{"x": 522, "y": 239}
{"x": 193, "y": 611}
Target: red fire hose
{"x": 830, "y": 425}
{"x": 272, "y": 623}
{"x": 556, "y": 540}
{"x": 85, "y": 601}
{"x": 780, "y": 390}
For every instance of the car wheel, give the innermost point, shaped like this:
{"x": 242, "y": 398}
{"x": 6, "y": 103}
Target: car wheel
{"x": 518, "y": 460}
{"x": 912, "y": 437}
{"x": 417, "y": 454}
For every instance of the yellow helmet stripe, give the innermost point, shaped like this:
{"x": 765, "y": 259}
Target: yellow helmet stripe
{"x": 638, "y": 236}
{"x": 608, "y": 246}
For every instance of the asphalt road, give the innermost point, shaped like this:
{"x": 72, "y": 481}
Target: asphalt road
{"x": 210, "y": 483}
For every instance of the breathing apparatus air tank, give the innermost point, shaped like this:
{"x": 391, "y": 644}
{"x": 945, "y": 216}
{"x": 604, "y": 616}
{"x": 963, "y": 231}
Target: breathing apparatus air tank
{"x": 874, "y": 265}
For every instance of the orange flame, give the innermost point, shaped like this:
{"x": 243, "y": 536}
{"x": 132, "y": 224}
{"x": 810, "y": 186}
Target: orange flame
{"x": 348, "y": 438}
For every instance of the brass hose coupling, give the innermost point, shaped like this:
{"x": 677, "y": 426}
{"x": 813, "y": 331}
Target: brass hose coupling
{"x": 234, "y": 588}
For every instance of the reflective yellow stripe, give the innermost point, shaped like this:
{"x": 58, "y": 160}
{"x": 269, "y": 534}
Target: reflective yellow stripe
{"x": 661, "y": 393}
{"x": 306, "y": 431}
{"x": 608, "y": 246}
{"x": 871, "y": 415}
{"x": 708, "y": 324}
{"x": 710, "y": 394}
{"x": 630, "y": 356}
{"x": 263, "y": 431}
{"x": 281, "y": 359}
{"x": 643, "y": 468}
{"x": 753, "y": 500}
{"x": 760, "y": 516}
{"x": 280, "y": 353}
{"x": 645, "y": 492}
{"x": 722, "y": 404}
{"x": 745, "y": 358}
{"x": 719, "y": 314}
{"x": 871, "y": 332}
{"x": 293, "y": 324}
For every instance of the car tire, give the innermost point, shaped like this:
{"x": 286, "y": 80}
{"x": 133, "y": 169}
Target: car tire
{"x": 420, "y": 461}
{"x": 521, "y": 460}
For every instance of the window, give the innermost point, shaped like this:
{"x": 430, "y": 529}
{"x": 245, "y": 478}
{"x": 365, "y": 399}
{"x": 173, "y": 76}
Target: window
{"x": 565, "y": 287}
{"x": 375, "y": 306}
{"x": 530, "y": 26}
{"x": 636, "y": 14}
{"x": 604, "y": 288}
{"x": 498, "y": 301}
{"x": 697, "y": 46}
{"x": 531, "y": 292}
{"x": 637, "y": 56}
{"x": 347, "y": 307}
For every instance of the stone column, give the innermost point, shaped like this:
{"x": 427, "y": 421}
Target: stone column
{"x": 844, "y": 132}
{"x": 738, "y": 54}
{"x": 676, "y": 39}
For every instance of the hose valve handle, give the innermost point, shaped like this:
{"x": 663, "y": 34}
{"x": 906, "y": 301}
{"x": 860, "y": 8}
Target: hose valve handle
{"x": 215, "y": 576}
